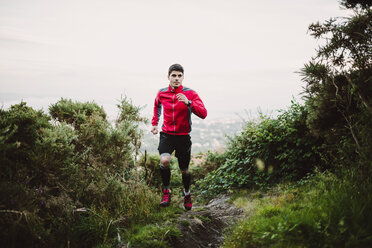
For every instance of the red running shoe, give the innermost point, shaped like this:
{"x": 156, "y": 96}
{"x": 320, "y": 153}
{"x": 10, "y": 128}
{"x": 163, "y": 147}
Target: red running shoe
{"x": 166, "y": 199}
{"x": 187, "y": 202}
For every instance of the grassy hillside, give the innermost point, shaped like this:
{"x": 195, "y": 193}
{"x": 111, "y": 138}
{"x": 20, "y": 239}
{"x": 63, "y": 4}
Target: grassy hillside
{"x": 69, "y": 178}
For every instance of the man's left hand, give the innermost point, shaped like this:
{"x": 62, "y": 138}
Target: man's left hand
{"x": 182, "y": 98}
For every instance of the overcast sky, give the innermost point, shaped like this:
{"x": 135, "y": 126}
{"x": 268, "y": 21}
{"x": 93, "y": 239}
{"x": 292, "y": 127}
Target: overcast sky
{"x": 239, "y": 55}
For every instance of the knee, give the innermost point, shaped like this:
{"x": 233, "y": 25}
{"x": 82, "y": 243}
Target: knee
{"x": 165, "y": 161}
{"x": 185, "y": 172}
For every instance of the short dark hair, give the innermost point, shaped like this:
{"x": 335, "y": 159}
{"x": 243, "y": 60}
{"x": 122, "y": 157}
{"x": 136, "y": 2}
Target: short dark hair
{"x": 175, "y": 67}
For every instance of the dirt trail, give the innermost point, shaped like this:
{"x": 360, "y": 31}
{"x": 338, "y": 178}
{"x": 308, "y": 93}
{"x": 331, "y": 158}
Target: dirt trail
{"x": 204, "y": 226}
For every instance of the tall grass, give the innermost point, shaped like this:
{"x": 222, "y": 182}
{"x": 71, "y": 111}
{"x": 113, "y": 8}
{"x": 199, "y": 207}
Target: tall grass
{"x": 327, "y": 212}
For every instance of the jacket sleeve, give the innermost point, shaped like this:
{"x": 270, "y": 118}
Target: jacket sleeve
{"x": 197, "y": 106}
{"x": 157, "y": 110}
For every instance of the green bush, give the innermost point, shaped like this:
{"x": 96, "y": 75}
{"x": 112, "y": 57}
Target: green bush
{"x": 99, "y": 142}
{"x": 20, "y": 129}
{"x": 69, "y": 182}
{"x": 210, "y": 161}
{"x": 339, "y": 86}
{"x": 266, "y": 152}
{"x": 150, "y": 165}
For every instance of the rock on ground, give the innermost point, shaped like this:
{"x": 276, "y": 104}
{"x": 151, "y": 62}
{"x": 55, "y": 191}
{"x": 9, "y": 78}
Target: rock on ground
{"x": 204, "y": 226}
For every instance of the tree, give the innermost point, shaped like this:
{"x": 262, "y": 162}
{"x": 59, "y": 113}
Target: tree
{"x": 339, "y": 83}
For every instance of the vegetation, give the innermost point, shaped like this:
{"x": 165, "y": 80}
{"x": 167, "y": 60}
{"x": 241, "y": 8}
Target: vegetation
{"x": 330, "y": 132}
{"x": 338, "y": 92}
{"x": 70, "y": 178}
{"x": 67, "y": 178}
{"x": 266, "y": 152}
{"x": 325, "y": 211}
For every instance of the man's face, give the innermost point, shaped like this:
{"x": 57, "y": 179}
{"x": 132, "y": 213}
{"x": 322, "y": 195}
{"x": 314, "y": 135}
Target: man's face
{"x": 175, "y": 79}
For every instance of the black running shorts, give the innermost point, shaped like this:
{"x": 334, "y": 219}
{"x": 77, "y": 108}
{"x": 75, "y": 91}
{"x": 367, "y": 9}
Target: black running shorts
{"x": 179, "y": 143}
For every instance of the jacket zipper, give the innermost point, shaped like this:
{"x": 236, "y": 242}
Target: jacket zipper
{"x": 174, "y": 124}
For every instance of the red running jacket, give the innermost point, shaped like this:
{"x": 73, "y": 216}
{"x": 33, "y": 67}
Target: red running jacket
{"x": 177, "y": 115}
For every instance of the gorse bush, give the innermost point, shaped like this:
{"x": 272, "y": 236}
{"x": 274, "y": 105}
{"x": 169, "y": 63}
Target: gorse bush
{"x": 265, "y": 152}
{"x": 99, "y": 141}
{"x": 339, "y": 86}
{"x": 150, "y": 164}
{"x": 75, "y": 113}
{"x": 21, "y": 127}
{"x": 67, "y": 178}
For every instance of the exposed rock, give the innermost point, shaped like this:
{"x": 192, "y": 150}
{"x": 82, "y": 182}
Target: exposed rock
{"x": 204, "y": 226}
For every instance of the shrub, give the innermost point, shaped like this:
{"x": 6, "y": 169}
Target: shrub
{"x": 210, "y": 161}
{"x": 150, "y": 164}
{"x": 20, "y": 129}
{"x": 70, "y": 182}
{"x": 267, "y": 152}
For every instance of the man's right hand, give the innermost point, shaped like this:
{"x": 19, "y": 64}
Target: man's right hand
{"x": 154, "y": 130}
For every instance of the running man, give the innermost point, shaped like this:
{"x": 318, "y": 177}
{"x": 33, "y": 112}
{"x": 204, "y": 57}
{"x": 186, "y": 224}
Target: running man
{"x": 178, "y": 103}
